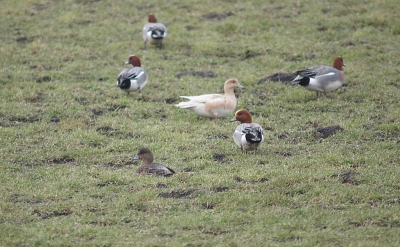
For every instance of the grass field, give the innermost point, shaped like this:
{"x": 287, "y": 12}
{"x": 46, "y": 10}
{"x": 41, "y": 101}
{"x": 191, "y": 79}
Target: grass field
{"x": 68, "y": 134}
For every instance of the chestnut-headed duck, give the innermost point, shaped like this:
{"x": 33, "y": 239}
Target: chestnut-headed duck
{"x": 148, "y": 167}
{"x": 213, "y": 105}
{"x": 132, "y": 79}
{"x": 321, "y": 78}
{"x": 248, "y": 135}
{"x": 154, "y": 32}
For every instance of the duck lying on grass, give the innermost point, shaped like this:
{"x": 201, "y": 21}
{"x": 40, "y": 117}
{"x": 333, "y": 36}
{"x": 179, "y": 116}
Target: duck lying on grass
{"x": 132, "y": 79}
{"x": 148, "y": 167}
{"x": 248, "y": 135}
{"x": 213, "y": 105}
{"x": 154, "y": 32}
{"x": 321, "y": 78}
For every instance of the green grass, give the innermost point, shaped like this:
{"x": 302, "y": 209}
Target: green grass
{"x": 67, "y": 133}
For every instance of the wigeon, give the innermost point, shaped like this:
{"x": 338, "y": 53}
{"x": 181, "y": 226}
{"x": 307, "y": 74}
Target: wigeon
{"x": 154, "y": 32}
{"x": 148, "y": 167}
{"x": 132, "y": 79}
{"x": 213, "y": 105}
{"x": 321, "y": 78}
{"x": 248, "y": 135}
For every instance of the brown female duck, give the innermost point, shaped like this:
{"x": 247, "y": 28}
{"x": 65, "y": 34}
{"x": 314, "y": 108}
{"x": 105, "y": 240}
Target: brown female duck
{"x": 148, "y": 167}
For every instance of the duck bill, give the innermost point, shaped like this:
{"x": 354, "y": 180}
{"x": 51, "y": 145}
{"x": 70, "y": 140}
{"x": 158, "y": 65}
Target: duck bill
{"x": 233, "y": 120}
{"x": 127, "y": 62}
{"x": 241, "y": 86}
{"x": 136, "y": 157}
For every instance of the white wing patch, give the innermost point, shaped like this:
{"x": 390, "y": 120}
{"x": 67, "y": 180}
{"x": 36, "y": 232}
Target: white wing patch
{"x": 140, "y": 74}
{"x": 328, "y": 74}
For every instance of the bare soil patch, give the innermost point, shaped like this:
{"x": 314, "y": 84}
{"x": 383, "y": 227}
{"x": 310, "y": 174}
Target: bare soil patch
{"x": 178, "y": 194}
{"x": 51, "y": 214}
{"x": 328, "y": 131}
{"x": 241, "y": 180}
{"x": 203, "y": 74}
{"x": 278, "y": 77}
{"x": 217, "y": 16}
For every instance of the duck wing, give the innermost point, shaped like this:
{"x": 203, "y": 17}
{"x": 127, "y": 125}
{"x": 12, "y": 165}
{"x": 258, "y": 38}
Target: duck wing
{"x": 160, "y": 170}
{"x": 314, "y": 72}
{"x": 136, "y": 74}
{"x": 203, "y": 98}
{"x": 155, "y": 31}
{"x": 247, "y": 135}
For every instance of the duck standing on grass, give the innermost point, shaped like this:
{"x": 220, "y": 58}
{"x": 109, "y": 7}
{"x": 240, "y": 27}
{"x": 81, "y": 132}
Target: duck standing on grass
{"x": 132, "y": 79}
{"x": 248, "y": 135}
{"x": 213, "y": 105}
{"x": 154, "y": 32}
{"x": 320, "y": 78}
{"x": 148, "y": 167}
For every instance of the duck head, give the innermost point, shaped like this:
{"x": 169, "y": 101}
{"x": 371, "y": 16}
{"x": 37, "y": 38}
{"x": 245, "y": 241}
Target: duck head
{"x": 144, "y": 154}
{"x": 152, "y": 18}
{"x": 338, "y": 63}
{"x": 134, "y": 60}
{"x": 242, "y": 116}
{"x": 231, "y": 84}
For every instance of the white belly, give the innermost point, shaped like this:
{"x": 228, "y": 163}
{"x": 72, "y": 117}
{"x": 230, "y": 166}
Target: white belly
{"x": 332, "y": 86}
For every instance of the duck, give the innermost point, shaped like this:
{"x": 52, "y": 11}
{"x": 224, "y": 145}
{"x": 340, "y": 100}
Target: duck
{"x": 213, "y": 105}
{"x": 322, "y": 79}
{"x": 148, "y": 167}
{"x": 154, "y": 32}
{"x": 133, "y": 79}
{"x": 248, "y": 135}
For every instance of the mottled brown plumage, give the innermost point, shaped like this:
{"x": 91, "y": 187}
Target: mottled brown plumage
{"x": 149, "y": 167}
